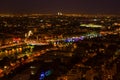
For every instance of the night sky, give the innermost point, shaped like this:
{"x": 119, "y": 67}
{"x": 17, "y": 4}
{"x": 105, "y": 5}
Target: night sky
{"x": 65, "y": 6}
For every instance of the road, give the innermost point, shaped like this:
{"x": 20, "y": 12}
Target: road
{"x": 42, "y": 60}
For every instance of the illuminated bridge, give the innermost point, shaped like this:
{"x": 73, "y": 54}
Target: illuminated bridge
{"x": 66, "y": 40}
{"x": 15, "y": 49}
{"x": 36, "y": 43}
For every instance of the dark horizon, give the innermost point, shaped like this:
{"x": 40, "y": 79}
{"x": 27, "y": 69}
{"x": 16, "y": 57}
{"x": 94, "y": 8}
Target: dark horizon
{"x": 64, "y": 6}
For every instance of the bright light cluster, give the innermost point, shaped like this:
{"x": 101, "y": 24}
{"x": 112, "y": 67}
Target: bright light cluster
{"x": 90, "y": 25}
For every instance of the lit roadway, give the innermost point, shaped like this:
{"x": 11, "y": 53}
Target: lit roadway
{"x": 11, "y": 45}
{"x": 25, "y": 74}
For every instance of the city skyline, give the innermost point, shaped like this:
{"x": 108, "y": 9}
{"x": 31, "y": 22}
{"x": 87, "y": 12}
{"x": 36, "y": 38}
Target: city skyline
{"x": 65, "y": 6}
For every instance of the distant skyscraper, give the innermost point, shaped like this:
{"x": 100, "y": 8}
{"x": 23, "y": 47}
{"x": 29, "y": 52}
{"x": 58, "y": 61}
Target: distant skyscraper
{"x": 60, "y": 13}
